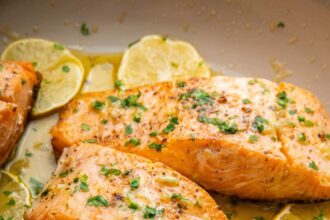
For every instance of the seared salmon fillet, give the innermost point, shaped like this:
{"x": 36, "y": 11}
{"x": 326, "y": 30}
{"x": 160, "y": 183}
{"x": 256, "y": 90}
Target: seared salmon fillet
{"x": 225, "y": 133}
{"x": 17, "y": 81}
{"x": 94, "y": 182}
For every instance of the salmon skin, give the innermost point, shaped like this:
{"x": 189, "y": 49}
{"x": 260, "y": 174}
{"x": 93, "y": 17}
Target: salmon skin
{"x": 17, "y": 82}
{"x": 247, "y": 137}
{"x": 94, "y": 182}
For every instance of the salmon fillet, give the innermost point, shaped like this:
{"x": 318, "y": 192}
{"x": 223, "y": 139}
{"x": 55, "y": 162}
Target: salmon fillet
{"x": 225, "y": 133}
{"x": 17, "y": 81}
{"x": 94, "y": 182}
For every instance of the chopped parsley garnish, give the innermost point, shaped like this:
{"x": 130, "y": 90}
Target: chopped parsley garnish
{"x": 305, "y": 122}
{"x": 90, "y": 141}
{"x": 313, "y": 165}
{"x": 97, "y": 105}
{"x": 65, "y": 69}
{"x": 97, "y": 201}
{"x": 224, "y": 126}
{"x": 260, "y": 123}
{"x": 134, "y": 183}
{"x": 137, "y": 117}
{"x": 181, "y": 84}
{"x": 320, "y": 216}
{"x": 127, "y": 172}
{"x": 302, "y": 138}
{"x": 83, "y": 185}
{"x": 157, "y": 147}
{"x": 253, "y": 139}
{"x": 113, "y": 98}
{"x": 171, "y": 126}
{"x": 292, "y": 112}
{"x": 178, "y": 197}
{"x": 246, "y": 101}
{"x": 118, "y": 84}
{"x": 110, "y": 171}
{"x": 153, "y": 134}
{"x": 281, "y": 24}
{"x": 85, "y": 127}
{"x": 327, "y": 136}
{"x": 28, "y": 154}
{"x": 309, "y": 110}
{"x": 65, "y": 173}
{"x": 174, "y": 120}
{"x": 84, "y": 29}
{"x": 58, "y": 46}
{"x": 133, "y": 205}
{"x": 11, "y": 202}
{"x": 133, "y": 141}
{"x": 36, "y": 186}
{"x": 7, "y": 193}
{"x": 104, "y": 121}
{"x": 199, "y": 96}
{"x": 282, "y": 99}
{"x": 132, "y": 101}
{"x": 149, "y": 212}
{"x": 128, "y": 130}
{"x": 174, "y": 65}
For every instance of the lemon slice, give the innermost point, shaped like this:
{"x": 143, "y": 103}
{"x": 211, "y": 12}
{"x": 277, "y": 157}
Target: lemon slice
{"x": 317, "y": 211}
{"x": 62, "y": 73}
{"x": 15, "y": 197}
{"x": 100, "y": 78}
{"x": 155, "y": 58}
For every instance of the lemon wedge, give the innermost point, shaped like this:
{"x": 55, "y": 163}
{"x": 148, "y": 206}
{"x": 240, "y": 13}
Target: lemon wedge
{"x": 14, "y": 196}
{"x": 155, "y": 58}
{"x": 317, "y": 211}
{"x": 100, "y": 78}
{"x": 62, "y": 73}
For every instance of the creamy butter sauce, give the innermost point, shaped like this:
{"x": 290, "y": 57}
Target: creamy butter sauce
{"x": 35, "y": 161}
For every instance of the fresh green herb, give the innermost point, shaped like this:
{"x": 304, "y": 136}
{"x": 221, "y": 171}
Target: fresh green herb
{"x": 260, "y": 123}
{"x": 135, "y": 183}
{"x": 97, "y": 201}
{"x": 84, "y": 186}
{"x": 34, "y": 64}
{"x": 132, "y": 101}
{"x": 36, "y": 186}
{"x": 11, "y": 202}
{"x": 252, "y": 82}
{"x": 313, "y": 165}
{"x": 174, "y": 65}
{"x": 179, "y": 197}
{"x": 90, "y": 141}
{"x": 149, "y": 212}
{"x": 292, "y": 112}
{"x": 127, "y": 172}
{"x": 181, "y": 84}
{"x": 133, "y": 141}
{"x": 64, "y": 173}
{"x": 104, "y": 121}
{"x": 111, "y": 171}
{"x": 118, "y": 84}
{"x": 85, "y": 127}
{"x": 301, "y": 119}
{"x": 199, "y": 96}
{"x": 97, "y": 105}
{"x": 281, "y": 24}
{"x": 113, "y": 98}
{"x": 65, "y": 69}
{"x": 132, "y": 43}
{"x": 84, "y": 29}
{"x": 308, "y": 123}
{"x": 28, "y": 154}
{"x": 128, "y": 130}
{"x": 253, "y": 138}
{"x": 174, "y": 120}
{"x": 223, "y": 126}
{"x": 309, "y": 110}
{"x": 58, "y": 46}
{"x": 302, "y": 138}
{"x": 157, "y": 147}
{"x": 282, "y": 99}
{"x": 153, "y": 134}
{"x": 291, "y": 124}
{"x": 137, "y": 117}
{"x": 133, "y": 205}
{"x": 169, "y": 128}
{"x": 258, "y": 218}
{"x": 7, "y": 193}
{"x": 246, "y": 101}
{"x": 320, "y": 216}
{"x": 328, "y": 136}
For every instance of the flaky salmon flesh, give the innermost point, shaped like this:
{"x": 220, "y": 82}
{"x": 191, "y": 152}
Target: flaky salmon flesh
{"x": 246, "y": 137}
{"x": 17, "y": 81}
{"x": 94, "y": 182}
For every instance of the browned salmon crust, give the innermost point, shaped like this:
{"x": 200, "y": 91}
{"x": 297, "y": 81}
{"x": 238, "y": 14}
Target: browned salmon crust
{"x": 17, "y": 81}
{"x": 94, "y": 182}
{"x": 237, "y": 136}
